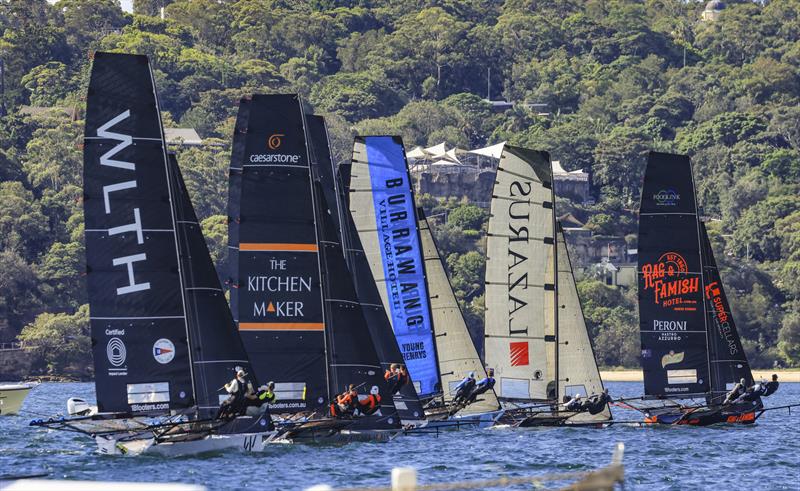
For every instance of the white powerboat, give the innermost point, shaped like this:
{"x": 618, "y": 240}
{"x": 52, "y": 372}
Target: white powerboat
{"x": 12, "y": 395}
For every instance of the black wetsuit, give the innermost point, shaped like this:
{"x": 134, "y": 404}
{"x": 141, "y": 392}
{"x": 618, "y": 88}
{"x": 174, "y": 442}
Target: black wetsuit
{"x": 483, "y": 386}
{"x": 770, "y": 388}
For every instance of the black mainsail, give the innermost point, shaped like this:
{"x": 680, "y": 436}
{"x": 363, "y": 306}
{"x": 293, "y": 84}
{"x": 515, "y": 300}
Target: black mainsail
{"x": 139, "y": 328}
{"x": 216, "y": 348}
{"x": 672, "y": 320}
{"x": 276, "y": 291}
{"x": 380, "y": 329}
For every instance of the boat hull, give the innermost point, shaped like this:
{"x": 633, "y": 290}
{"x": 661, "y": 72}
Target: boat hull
{"x": 244, "y": 442}
{"x": 477, "y": 420}
{"x": 701, "y": 417}
{"x": 12, "y": 397}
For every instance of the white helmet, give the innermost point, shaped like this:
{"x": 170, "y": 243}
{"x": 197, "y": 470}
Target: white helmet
{"x": 374, "y": 390}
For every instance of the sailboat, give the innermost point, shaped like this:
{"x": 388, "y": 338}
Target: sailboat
{"x": 163, "y": 339}
{"x": 386, "y": 219}
{"x": 335, "y": 185}
{"x": 291, "y": 292}
{"x": 690, "y": 346}
{"x": 536, "y": 336}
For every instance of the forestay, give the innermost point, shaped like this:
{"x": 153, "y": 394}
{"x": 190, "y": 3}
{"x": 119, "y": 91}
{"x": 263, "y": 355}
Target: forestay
{"x": 520, "y": 280}
{"x": 457, "y": 353}
{"x": 138, "y": 327}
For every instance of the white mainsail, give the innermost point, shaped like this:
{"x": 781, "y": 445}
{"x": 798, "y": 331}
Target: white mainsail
{"x": 457, "y": 353}
{"x": 520, "y": 280}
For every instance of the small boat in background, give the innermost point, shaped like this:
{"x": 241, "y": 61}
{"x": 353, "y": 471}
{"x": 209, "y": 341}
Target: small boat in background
{"x": 12, "y": 395}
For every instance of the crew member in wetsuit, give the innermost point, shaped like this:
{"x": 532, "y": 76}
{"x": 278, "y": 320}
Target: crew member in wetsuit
{"x": 596, "y": 403}
{"x": 574, "y": 404}
{"x": 770, "y": 387}
{"x": 371, "y": 403}
{"x": 266, "y": 393}
{"x": 737, "y": 391}
{"x": 346, "y": 403}
{"x": 396, "y": 377}
{"x": 241, "y": 391}
{"x": 484, "y": 385}
{"x": 464, "y": 388}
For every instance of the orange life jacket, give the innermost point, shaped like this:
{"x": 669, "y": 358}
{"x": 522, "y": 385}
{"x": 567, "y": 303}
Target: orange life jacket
{"x": 371, "y": 401}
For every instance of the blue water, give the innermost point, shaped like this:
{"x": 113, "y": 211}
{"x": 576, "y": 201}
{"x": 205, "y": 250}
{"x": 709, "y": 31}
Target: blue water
{"x": 762, "y": 456}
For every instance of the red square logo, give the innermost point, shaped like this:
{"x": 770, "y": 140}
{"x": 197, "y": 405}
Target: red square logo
{"x": 519, "y": 354}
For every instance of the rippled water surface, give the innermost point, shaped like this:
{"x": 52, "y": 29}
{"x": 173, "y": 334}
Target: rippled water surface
{"x": 761, "y": 456}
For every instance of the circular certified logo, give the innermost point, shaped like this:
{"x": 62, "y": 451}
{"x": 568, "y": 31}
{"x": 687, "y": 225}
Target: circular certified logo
{"x": 116, "y": 352}
{"x": 163, "y": 351}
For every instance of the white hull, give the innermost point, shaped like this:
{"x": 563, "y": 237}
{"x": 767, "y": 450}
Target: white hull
{"x": 478, "y": 420}
{"x": 244, "y": 442}
{"x": 12, "y": 397}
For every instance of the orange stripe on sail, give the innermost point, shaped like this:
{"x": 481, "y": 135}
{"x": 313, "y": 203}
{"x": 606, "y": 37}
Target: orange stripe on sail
{"x": 279, "y": 247}
{"x": 281, "y": 326}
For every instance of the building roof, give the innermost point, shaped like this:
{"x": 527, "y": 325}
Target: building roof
{"x": 182, "y": 136}
{"x": 493, "y": 151}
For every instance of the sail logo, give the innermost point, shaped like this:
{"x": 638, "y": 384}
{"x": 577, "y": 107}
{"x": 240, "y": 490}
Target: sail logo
{"x": 116, "y": 352}
{"x": 163, "y": 351}
{"x": 669, "y": 325}
{"x": 519, "y": 214}
{"x": 721, "y": 317}
{"x": 108, "y": 159}
{"x": 671, "y": 358}
{"x": 666, "y": 197}
{"x": 274, "y": 141}
{"x": 670, "y": 282}
{"x": 519, "y": 354}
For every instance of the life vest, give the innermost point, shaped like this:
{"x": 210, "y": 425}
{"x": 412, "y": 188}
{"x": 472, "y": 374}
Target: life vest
{"x": 267, "y": 396}
{"x": 345, "y": 400}
{"x": 388, "y": 375}
{"x": 370, "y": 403}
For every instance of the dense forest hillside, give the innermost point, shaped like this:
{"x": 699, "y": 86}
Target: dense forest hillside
{"x": 618, "y": 77}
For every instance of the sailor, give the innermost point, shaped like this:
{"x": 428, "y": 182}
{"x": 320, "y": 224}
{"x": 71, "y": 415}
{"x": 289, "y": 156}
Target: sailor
{"x": 241, "y": 391}
{"x": 770, "y": 387}
{"x": 484, "y": 385}
{"x": 371, "y": 403}
{"x": 396, "y": 377}
{"x": 464, "y": 388}
{"x": 597, "y": 402}
{"x": 737, "y": 391}
{"x": 266, "y": 393}
{"x": 574, "y": 404}
{"x": 346, "y": 402}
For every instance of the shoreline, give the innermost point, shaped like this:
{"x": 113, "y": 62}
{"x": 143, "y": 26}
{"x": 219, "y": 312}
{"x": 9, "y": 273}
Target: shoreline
{"x": 784, "y": 375}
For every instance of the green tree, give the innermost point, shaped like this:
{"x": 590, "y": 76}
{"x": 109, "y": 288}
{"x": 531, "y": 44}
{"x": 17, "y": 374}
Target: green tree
{"x": 60, "y": 342}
